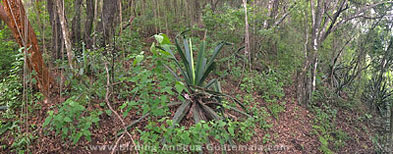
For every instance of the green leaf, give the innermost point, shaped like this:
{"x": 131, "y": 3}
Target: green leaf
{"x": 183, "y": 72}
{"x": 231, "y": 131}
{"x": 201, "y": 63}
{"x": 77, "y": 137}
{"x": 172, "y": 72}
{"x": 323, "y": 140}
{"x": 67, "y": 119}
{"x": 180, "y": 87}
{"x": 210, "y": 65}
{"x": 162, "y": 39}
{"x": 47, "y": 120}
{"x": 138, "y": 59}
{"x": 159, "y": 38}
{"x": 108, "y": 112}
{"x": 211, "y": 82}
{"x": 33, "y": 81}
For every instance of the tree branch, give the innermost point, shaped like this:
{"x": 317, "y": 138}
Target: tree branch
{"x": 325, "y": 32}
{"x": 358, "y": 14}
{"x": 278, "y": 22}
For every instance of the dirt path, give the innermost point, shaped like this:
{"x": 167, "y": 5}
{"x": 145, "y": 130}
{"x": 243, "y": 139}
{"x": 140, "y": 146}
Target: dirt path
{"x": 291, "y": 130}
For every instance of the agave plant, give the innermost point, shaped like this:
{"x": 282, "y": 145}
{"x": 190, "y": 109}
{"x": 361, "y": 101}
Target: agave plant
{"x": 203, "y": 100}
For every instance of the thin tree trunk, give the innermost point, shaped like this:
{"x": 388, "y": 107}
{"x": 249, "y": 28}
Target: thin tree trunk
{"x": 120, "y": 18}
{"x": 95, "y": 20}
{"x": 197, "y": 12}
{"x": 246, "y": 34}
{"x": 109, "y": 13}
{"x": 90, "y": 14}
{"x": 391, "y": 129}
{"x": 76, "y": 23}
{"x": 302, "y": 76}
{"x": 64, "y": 28}
{"x": 13, "y": 14}
{"x": 56, "y": 29}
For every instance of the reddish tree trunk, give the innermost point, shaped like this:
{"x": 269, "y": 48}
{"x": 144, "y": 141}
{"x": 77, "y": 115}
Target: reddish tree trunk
{"x": 13, "y": 14}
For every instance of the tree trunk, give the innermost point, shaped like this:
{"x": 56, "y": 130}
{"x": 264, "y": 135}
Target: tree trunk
{"x": 90, "y": 5}
{"x": 13, "y": 14}
{"x": 76, "y": 23}
{"x": 391, "y": 129}
{"x": 246, "y": 34}
{"x": 3, "y": 15}
{"x": 64, "y": 28}
{"x": 197, "y": 12}
{"x": 56, "y": 30}
{"x": 109, "y": 13}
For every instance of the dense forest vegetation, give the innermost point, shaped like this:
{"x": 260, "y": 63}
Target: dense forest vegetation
{"x": 196, "y": 76}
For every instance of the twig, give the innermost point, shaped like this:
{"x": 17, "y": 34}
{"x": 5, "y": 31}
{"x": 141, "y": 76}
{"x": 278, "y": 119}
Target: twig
{"x": 117, "y": 143}
{"x": 108, "y": 84}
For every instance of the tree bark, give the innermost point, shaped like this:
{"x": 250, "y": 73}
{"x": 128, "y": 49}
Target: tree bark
{"x": 391, "y": 129}
{"x": 76, "y": 23}
{"x": 197, "y": 12}
{"x": 13, "y": 14}
{"x": 246, "y": 34}
{"x": 57, "y": 35}
{"x": 64, "y": 28}
{"x": 109, "y": 13}
{"x": 90, "y": 5}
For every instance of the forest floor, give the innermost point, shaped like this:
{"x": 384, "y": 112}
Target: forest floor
{"x": 292, "y": 131}
{"x": 292, "y": 128}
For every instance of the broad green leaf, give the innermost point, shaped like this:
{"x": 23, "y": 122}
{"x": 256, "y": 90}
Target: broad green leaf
{"x": 159, "y": 38}
{"x": 231, "y": 131}
{"x": 138, "y": 59}
{"x": 67, "y": 119}
{"x": 180, "y": 87}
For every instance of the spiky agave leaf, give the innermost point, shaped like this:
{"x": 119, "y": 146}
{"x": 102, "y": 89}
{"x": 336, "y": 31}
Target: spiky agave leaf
{"x": 197, "y": 113}
{"x": 185, "y": 61}
{"x": 181, "y": 112}
{"x": 210, "y": 65}
{"x": 177, "y": 63}
{"x": 201, "y": 63}
{"x": 210, "y": 112}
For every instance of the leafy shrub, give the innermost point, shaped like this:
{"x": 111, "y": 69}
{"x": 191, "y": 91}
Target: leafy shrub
{"x": 156, "y": 135}
{"x": 8, "y": 50}
{"x": 11, "y": 87}
{"x": 160, "y": 135}
{"x": 72, "y": 120}
{"x": 269, "y": 85}
{"x": 324, "y": 124}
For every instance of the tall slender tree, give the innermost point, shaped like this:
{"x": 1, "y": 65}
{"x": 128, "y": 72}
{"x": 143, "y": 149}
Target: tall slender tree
{"x": 65, "y": 32}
